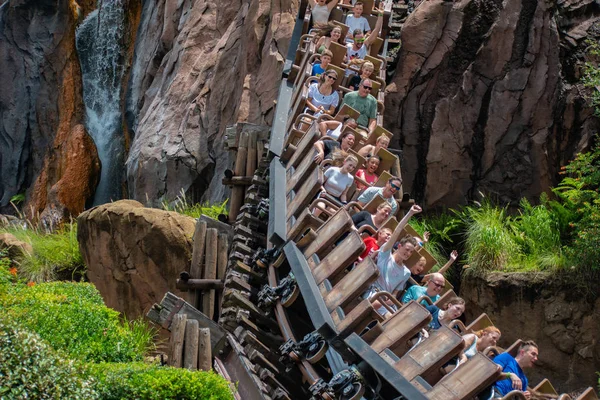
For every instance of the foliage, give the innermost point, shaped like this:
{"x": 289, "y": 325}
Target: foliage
{"x": 591, "y": 74}
{"x": 5, "y": 272}
{"x": 18, "y": 199}
{"x": 30, "y": 369}
{"x": 148, "y": 382}
{"x": 53, "y": 253}
{"x": 72, "y": 318}
{"x": 489, "y": 243}
{"x": 183, "y": 206}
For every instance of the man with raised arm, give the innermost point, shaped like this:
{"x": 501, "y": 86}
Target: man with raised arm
{"x": 512, "y": 369}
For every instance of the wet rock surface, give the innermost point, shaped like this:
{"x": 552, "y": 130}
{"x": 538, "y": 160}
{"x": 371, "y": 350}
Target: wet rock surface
{"x": 561, "y": 320}
{"x": 134, "y": 254}
{"x": 486, "y": 97}
{"x": 213, "y": 64}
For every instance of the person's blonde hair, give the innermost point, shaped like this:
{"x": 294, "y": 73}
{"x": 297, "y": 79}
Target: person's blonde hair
{"x": 367, "y": 64}
{"x": 337, "y": 157}
{"x": 351, "y": 157}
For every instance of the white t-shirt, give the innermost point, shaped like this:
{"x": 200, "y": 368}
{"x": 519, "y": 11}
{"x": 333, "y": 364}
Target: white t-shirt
{"x": 392, "y": 276}
{"x": 319, "y": 99}
{"x": 361, "y": 53}
{"x": 320, "y": 14}
{"x": 357, "y": 23}
{"x": 337, "y": 181}
{"x": 368, "y": 194}
{"x": 335, "y": 133}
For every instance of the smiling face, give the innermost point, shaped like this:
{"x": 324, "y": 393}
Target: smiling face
{"x": 367, "y": 71}
{"x": 404, "y": 252}
{"x": 488, "y": 339}
{"x": 336, "y": 33}
{"x": 372, "y": 164}
{"x": 435, "y": 285}
{"x": 365, "y": 88}
{"x": 347, "y": 142}
{"x": 383, "y": 236}
{"x": 349, "y": 165}
{"x": 419, "y": 266}
{"x": 383, "y": 141}
{"x": 383, "y": 212}
{"x": 325, "y": 60}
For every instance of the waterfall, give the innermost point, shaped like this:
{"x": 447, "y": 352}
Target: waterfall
{"x": 102, "y": 55}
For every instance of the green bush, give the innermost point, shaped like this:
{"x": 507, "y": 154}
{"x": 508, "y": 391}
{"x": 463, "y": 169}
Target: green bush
{"x": 30, "y": 369}
{"x": 53, "y": 253}
{"x": 148, "y": 382}
{"x": 72, "y": 318}
{"x": 181, "y": 205}
{"x": 489, "y": 243}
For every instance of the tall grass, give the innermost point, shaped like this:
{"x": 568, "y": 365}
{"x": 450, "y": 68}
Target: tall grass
{"x": 489, "y": 243}
{"x": 54, "y": 254}
{"x": 184, "y": 206}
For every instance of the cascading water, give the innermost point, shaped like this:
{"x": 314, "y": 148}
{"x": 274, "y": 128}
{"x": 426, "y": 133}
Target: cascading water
{"x": 102, "y": 55}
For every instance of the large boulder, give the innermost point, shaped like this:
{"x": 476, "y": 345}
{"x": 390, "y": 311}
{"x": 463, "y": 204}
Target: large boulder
{"x": 15, "y": 248}
{"x": 486, "y": 97}
{"x": 199, "y": 67}
{"x": 134, "y": 254}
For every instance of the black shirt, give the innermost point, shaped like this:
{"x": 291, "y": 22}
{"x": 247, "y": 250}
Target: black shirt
{"x": 363, "y": 218}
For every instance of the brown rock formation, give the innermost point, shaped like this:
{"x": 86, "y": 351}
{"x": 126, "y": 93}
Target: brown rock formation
{"x": 16, "y": 249}
{"x": 480, "y": 101}
{"x": 561, "y": 321}
{"x": 134, "y": 254}
{"x": 214, "y": 64}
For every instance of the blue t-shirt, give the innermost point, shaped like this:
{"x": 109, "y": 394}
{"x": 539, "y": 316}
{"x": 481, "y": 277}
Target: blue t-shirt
{"x": 435, "y": 313}
{"x": 414, "y": 292}
{"x": 509, "y": 364}
{"x": 317, "y": 70}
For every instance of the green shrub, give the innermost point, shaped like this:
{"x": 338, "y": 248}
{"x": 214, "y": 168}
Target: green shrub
{"x": 181, "y": 205}
{"x": 72, "y": 318}
{"x": 148, "y": 382}
{"x": 53, "y": 253}
{"x": 489, "y": 243}
{"x": 30, "y": 369}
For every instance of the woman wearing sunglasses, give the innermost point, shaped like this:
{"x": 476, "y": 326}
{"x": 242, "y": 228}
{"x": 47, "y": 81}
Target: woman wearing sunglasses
{"x": 322, "y": 98}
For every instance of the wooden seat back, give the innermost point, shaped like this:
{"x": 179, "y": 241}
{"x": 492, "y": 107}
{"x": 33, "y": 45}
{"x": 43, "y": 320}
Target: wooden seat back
{"x": 376, "y": 47}
{"x": 443, "y": 300}
{"x": 431, "y": 354}
{"x": 299, "y": 174}
{"x": 588, "y": 394}
{"x": 513, "y": 349}
{"x": 358, "y": 318}
{"x": 339, "y": 52}
{"x": 467, "y": 380}
{"x": 337, "y": 15}
{"x": 545, "y": 387}
{"x": 483, "y": 321}
{"x": 304, "y": 223}
{"x": 329, "y": 233}
{"x": 298, "y": 200}
{"x": 403, "y": 325}
{"x": 387, "y": 160}
{"x": 352, "y": 285}
{"x": 305, "y": 145}
{"x": 340, "y": 76}
{"x": 338, "y": 259}
{"x": 346, "y": 110}
{"x": 416, "y": 256}
{"x": 377, "y": 63}
{"x": 378, "y": 131}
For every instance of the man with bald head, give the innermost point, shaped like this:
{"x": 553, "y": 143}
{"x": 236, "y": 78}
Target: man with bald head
{"x": 432, "y": 290}
{"x": 363, "y": 102}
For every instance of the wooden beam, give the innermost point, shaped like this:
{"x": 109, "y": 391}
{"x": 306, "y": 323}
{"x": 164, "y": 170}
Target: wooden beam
{"x": 199, "y": 284}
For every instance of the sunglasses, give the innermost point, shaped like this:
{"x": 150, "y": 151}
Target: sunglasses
{"x": 368, "y": 87}
{"x": 437, "y": 285}
{"x": 331, "y": 77}
{"x": 360, "y": 40}
{"x": 395, "y": 187}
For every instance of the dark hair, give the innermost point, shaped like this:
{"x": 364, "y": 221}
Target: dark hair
{"x": 357, "y": 31}
{"x": 344, "y": 134}
{"x": 454, "y": 300}
{"x": 406, "y": 239}
{"x": 527, "y": 344}
{"x": 395, "y": 178}
{"x": 358, "y": 3}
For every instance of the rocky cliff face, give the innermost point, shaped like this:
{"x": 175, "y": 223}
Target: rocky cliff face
{"x": 198, "y": 67}
{"x": 561, "y": 320}
{"x": 485, "y": 96}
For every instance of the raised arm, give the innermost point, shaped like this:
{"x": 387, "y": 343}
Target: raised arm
{"x": 415, "y": 209}
{"x": 375, "y": 32}
{"x": 331, "y": 5}
{"x": 453, "y": 257}
{"x": 324, "y": 126}
{"x": 372, "y": 125}
{"x": 312, "y": 3}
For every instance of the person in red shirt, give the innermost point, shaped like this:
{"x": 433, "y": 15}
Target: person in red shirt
{"x": 373, "y": 243}
{"x": 368, "y": 174}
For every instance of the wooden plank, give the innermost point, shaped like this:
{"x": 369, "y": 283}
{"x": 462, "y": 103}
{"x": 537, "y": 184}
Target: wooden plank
{"x": 404, "y": 324}
{"x": 431, "y": 354}
{"x": 171, "y": 305}
{"x": 329, "y": 233}
{"x": 341, "y": 257}
{"x": 237, "y": 192}
{"x": 238, "y": 181}
{"x": 305, "y": 194}
{"x": 190, "y": 353}
{"x": 218, "y": 225}
{"x": 204, "y": 350}
{"x": 251, "y": 154}
{"x": 358, "y": 318}
{"x": 177, "y": 337}
{"x": 197, "y": 259}
{"x": 467, "y": 380}
{"x": 222, "y": 261}
{"x": 210, "y": 272}
{"x": 352, "y": 285}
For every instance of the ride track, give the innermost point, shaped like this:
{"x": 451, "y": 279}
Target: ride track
{"x": 317, "y": 346}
